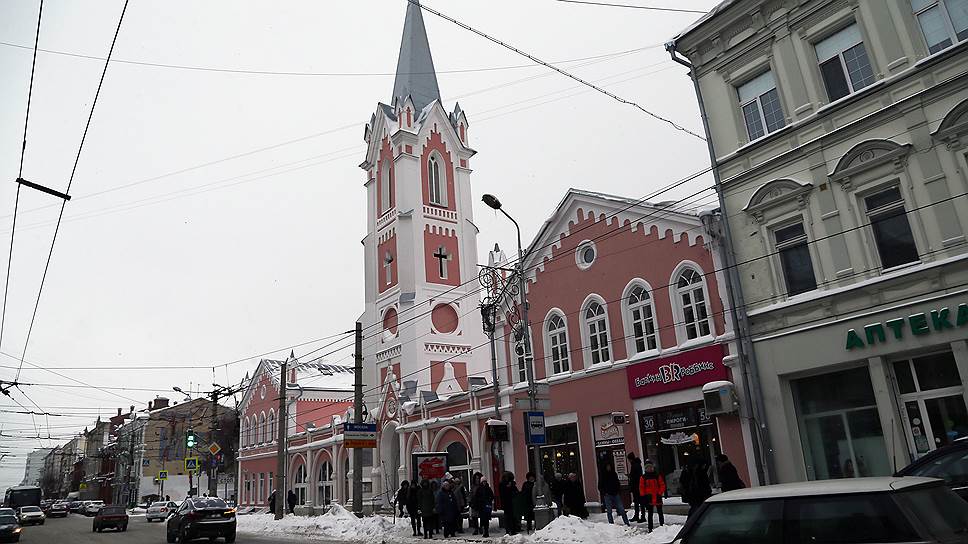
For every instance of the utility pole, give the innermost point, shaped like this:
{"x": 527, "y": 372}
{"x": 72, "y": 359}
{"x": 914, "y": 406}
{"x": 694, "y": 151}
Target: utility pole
{"x": 358, "y": 418}
{"x": 281, "y": 448}
{"x": 127, "y": 483}
{"x": 212, "y": 427}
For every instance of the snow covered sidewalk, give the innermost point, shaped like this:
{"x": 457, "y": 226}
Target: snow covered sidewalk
{"x": 341, "y": 525}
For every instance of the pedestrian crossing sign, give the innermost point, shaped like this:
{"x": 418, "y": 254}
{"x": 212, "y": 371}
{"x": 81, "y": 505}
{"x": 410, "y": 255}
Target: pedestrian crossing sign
{"x": 162, "y": 475}
{"x": 191, "y": 464}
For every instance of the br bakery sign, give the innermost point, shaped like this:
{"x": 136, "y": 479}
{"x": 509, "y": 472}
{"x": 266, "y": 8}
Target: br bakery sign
{"x": 692, "y": 368}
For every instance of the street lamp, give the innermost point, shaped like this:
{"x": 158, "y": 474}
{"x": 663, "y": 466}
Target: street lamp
{"x": 493, "y": 202}
{"x": 179, "y": 390}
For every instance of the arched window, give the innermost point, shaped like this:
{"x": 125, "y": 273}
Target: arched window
{"x": 245, "y": 433}
{"x": 262, "y": 428}
{"x": 458, "y": 462}
{"x": 434, "y": 186}
{"x": 557, "y": 343}
{"x": 596, "y": 324}
{"x": 300, "y": 484}
{"x": 641, "y": 319}
{"x": 386, "y": 190}
{"x": 324, "y": 484}
{"x": 272, "y": 426}
{"x": 691, "y": 302}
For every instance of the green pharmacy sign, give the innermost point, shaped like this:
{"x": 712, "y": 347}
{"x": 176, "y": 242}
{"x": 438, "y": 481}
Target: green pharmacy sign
{"x": 915, "y": 324}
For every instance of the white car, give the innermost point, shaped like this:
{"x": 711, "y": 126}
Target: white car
{"x": 160, "y": 510}
{"x": 30, "y": 515}
{"x": 91, "y": 507}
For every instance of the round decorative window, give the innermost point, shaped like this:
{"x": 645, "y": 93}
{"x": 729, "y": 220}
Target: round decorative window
{"x": 585, "y": 254}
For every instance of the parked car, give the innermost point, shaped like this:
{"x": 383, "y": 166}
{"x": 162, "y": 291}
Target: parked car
{"x": 202, "y": 517}
{"x": 58, "y": 510}
{"x": 110, "y": 516}
{"x": 31, "y": 515}
{"x": 9, "y": 527}
{"x": 160, "y": 510}
{"x": 8, "y": 512}
{"x": 950, "y": 463}
{"x": 74, "y": 506}
{"x": 91, "y": 507}
{"x": 887, "y": 509}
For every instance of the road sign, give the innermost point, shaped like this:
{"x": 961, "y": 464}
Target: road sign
{"x": 525, "y": 404}
{"x": 191, "y": 464}
{"x": 214, "y": 448}
{"x": 162, "y": 475}
{"x": 145, "y": 462}
{"x": 534, "y": 428}
{"x": 359, "y": 435}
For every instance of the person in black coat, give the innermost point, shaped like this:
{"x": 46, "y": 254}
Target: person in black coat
{"x": 448, "y": 509}
{"x": 291, "y": 501}
{"x": 610, "y": 487}
{"x": 413, "y": 507}
{"x": 574, "y": 497}
{"x": 508, "y": 490}
{"x": 482, "y": 503}
{"x": 527, "y": 492}
{"x": 400, "y": 500}
{"x": 635, "y": 474}
{"x": 556, "y": 487}
{"x": 272, "y": 502}
{"x": 428, "y": 504}
{"x": 694, "y": 483}
{"x": 728, "y": 477}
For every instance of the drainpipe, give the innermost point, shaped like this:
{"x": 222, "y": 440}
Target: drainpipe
{"x": 753, "y": 393}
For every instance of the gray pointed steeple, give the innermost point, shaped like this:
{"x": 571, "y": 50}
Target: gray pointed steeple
{"x": 415, "y": 67}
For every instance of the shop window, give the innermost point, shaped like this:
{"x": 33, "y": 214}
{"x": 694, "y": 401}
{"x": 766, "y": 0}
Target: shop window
{"x": 839, "y": 426}
{"x": 324, "y": 484}
{"x": 262, "y": 487}
{"x": 691, "y": 301}
{"x": 795, "y": 262}
{"x": 892, "y": 231}
{"x": 760, "y": 105}
{"x": 933, "y": 397}
{"x": 640, "y": 314}
{"x": 557, "y": 342}
{"x": 943, "y": 22}
{"x": 560, "y": 453}
{"x": 844, "y": 64}
{"x": 597, "y": 325}
{"x": 750, "y": 522}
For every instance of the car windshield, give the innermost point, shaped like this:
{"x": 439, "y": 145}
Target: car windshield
{"x": 7, "y": 520}
{"x": 112, "y": 510}
{"x": 209, "y": 503}
{"x": 30, "y": 509}
{"x": 951, "y": 467}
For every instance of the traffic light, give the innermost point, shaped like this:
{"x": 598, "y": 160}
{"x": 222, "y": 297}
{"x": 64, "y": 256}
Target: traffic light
{"x": 190, "y": 439}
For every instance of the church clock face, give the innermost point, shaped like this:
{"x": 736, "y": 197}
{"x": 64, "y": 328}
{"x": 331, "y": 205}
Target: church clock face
{"x": 391, "y": 407}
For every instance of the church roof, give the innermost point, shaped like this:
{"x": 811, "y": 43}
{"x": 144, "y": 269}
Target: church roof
{"x": 415, "y": 76}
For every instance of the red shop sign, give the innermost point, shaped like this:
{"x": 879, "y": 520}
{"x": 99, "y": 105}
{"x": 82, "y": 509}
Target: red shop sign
{"x": 692, "y": 368}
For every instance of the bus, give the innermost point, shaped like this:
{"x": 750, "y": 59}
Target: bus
{"x": 22, "y": 495}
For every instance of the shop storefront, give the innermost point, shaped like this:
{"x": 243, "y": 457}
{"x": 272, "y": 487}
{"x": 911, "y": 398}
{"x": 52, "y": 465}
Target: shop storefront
{"x": 670, "y": 436}
{"x": 610, "y": 445}
{"x": 561, "y": 452}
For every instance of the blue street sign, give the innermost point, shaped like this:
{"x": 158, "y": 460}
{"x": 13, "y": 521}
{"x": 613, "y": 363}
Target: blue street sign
{"x": 534, "y": 428}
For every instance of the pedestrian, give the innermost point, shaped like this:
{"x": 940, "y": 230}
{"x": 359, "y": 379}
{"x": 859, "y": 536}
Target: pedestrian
{"x": 508, "y": 491}
{"x": 472, "y": 513}
{"x": 635, "y": 474}
{"x": 272, "y": 502}
{"x": 291, "y": 501}
{"x": 482, "y": 502}
{"x": 428, "y": 503}
{"x": 167, "y": 498}
{"x": 556, "y": 486}
{"x": 694, "y": 483}
{"x": 401, "y": 498}
{"x": 609, "y": 487}
{"x": 728, "y": 476}
{"x": 457, "y": 486}
{"x": 435, "y": 488}
{"x": 574, "y": 497}
{"x": 447, "y": 508}
{"x": 413, "y": 507}
{"x": 527, "y": 500}
{"x": 652, "y": 487}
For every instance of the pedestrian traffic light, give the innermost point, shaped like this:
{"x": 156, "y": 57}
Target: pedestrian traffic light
{"x": 190, "y": 439}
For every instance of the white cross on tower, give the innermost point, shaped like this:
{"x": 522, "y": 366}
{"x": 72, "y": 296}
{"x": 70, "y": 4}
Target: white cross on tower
{"x": 442, "y": 258}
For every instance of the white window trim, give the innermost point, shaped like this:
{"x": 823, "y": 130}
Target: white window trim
{"x": 681, "y": 336}
{"x": 517, "y": 368}
{"x": 776, "y": 263}
{"x": 549, "y": 359}
{"x": 586, "y": 348}
{"x": 948, "y": 25}
{"x": 627, "y": 320}
{"x": 869, "y": 228}
{"x": 441, "y": 180}
{"x": 579, "y": 249}
{"x": 843, "y": 64}
{"x": 759, "y": 105}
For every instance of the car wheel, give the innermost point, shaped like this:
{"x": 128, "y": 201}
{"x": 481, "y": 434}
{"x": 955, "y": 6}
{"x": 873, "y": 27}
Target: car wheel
{"x": 124, "y": 528}
{"x": 169, "y": 536}
{"x": 183, "y": 536}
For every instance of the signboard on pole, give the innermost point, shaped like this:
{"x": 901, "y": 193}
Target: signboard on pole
{"x": 214, "y": 448}
{"x": 534, "y": 428}
{"x": 525, "y": 403}
{"x": 359, "y": 435}
{"x": 429, "y": 465}
{"x": 191, "y": 464}
{"x": 162, "y": 475}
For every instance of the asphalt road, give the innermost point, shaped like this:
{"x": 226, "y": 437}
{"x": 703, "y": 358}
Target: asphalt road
{"x": 76, "y": 529}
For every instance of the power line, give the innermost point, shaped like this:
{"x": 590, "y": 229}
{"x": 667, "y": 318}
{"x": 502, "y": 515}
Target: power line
{"x": 651, "y": 8}
{"x": 555, "y": 68}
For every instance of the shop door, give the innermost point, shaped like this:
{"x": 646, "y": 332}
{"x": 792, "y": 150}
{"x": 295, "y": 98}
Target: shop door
{"x": 932, "y": 396}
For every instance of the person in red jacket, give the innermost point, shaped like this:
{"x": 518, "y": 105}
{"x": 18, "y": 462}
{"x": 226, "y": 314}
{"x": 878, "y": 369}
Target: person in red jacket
{"x": 652, "y": 487}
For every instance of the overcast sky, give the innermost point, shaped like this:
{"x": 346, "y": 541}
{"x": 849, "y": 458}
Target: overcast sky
{"x": 166, "y": 260}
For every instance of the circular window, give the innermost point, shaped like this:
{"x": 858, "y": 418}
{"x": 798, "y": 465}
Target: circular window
{"x": 585, "y": 254}
{"x": 390, "y": 321}
{"x": 444, "y": 318}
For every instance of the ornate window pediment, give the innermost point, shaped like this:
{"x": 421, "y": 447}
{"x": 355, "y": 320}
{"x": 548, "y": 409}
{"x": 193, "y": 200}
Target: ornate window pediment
{"x": 870, "y": 154}
{"x": 776, "y": 192}
{"x": 954, "y": 127}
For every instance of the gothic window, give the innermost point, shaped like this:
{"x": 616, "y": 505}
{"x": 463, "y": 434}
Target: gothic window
{"x": 640, "y": 316}
{"x": 435, "y": 187}
{"x": 557, "y": 342}
{"x": 690, "y": 294}
{"x": 245, "y": 433}
{"x": 324, "y": 484}
{"x": 300, "y": 484}
{"x": 386, "y": 187}
{"x": 262, "y": 428}
{"x": 442, "y": 261}
{"x": 272, "y": 426}
{"x": 596, "y": 324}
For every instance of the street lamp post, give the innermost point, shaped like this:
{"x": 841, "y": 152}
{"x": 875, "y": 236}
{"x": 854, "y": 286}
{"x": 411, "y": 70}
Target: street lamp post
{"x": 493, "y": 202}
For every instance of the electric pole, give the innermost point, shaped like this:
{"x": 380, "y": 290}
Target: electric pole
{"x": 358, "y": 418}
{"x": 281, "y": 447}
{"x": 212, "y": 427}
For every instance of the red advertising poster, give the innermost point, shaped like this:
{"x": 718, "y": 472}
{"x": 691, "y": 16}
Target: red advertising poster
{"x": 693, "y": 368}
{"x": 430, "y": 465}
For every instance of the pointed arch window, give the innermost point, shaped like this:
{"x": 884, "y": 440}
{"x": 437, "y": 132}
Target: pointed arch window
{"x": 262, "y": 428}
{"x": 597, "y": 325}
{"x": 245, "y": 433}
{"x": 301, "y": 484}
{"x": 691, "y": 301}
{"x": 386, "y": 187}
{"x": 272, "y": 426}
{"x": 436, "y": 189}
{"x": 640, "y": 313}
{"x": 557, "y": 342}
{"x": 324, "y": 484}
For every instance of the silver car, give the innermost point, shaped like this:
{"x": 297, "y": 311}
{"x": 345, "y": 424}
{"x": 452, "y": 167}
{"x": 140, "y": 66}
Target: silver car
{"x": 31, "y": 515}
{"x": 160, "y": 510}
{"x": 91, "y": 507}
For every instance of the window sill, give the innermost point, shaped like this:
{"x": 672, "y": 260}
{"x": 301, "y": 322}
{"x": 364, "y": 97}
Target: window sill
{"x": 901, "y": 267}
{"x": 689, "y": 344}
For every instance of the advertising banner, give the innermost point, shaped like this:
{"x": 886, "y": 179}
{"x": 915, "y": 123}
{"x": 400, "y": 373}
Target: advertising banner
{"x": 693, "y": 368}
{"x": 429, "y": 465}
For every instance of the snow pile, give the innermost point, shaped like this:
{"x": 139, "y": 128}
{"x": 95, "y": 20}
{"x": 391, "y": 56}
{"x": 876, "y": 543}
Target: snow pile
{"x": 573, "y": 530}
{"x": 337, "y": 524}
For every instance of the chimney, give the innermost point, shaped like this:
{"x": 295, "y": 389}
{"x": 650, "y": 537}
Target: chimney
{"x": 119, "y": 412}
{"x": 150, "y": 408}
{"x": 161, "y": 402}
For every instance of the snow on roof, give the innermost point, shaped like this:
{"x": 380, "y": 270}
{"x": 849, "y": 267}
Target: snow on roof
{"x": 314, "y": 374}
{"x": 721, "y": 7}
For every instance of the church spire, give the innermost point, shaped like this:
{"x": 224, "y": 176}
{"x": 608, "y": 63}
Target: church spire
{"x": 415, "y": 67}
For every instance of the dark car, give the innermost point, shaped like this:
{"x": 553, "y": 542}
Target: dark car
{"x": 111, "y": 517}
{"x": 9, "y": 528}
{"x": 950, "y": 463}
{"x": 74, "y": 506}
{"x": 58, "y": 510}
{"x": 202, "y": 517}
